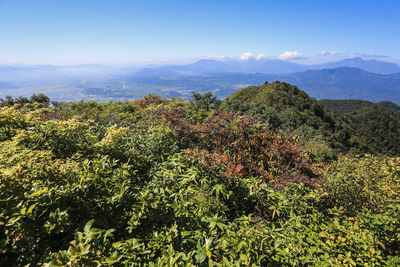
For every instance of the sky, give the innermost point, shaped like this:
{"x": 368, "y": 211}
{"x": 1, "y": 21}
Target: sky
{"x": 65, "y": 32}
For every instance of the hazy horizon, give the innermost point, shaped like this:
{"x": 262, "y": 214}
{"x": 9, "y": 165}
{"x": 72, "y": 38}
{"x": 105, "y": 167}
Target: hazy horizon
{"x": 191, "y": 61}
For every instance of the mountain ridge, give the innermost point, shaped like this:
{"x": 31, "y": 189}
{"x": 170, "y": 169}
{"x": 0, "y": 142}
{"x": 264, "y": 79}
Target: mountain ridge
{"x": 276, "y": 66}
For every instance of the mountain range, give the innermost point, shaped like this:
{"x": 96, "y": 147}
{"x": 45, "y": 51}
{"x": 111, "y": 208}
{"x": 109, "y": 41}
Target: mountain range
{"x": 354, "y": 78}
{"x": 272, "y": 66}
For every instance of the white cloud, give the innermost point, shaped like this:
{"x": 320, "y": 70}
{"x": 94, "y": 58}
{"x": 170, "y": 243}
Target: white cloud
{"x": 250, "y": 56}
{"x": 291, "y": 55}
{"x": 221, "y": 58}
{"x": 326, "y": 53}
{"x": 246, "y": 56}
{"x": 261, "y": 57}
{"x": 146, "y": 60}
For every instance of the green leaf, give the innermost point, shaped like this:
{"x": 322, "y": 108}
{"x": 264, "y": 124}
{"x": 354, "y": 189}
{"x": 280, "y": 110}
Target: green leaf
{"x": 87, "y": 227}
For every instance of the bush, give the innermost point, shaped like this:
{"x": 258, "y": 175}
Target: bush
{"x": 371, "y": 182}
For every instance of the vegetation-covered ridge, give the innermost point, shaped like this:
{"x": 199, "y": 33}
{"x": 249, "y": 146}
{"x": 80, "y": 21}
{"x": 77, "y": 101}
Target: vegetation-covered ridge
{"x": 376, "y": 125}
{"x": 267, "y": 177}
{"x": 351, "y": 105}
{"x": 287, "y": 109}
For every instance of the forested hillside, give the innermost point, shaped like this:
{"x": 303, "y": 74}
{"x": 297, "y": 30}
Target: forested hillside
{"x": 375, "y": 125}
{"x": 350, "y": 105}
{"x": 267, "y": 177}
{"x": 378, "y": 128}
{"x": 287, "y": 109}
{"x": 369, "y": 128}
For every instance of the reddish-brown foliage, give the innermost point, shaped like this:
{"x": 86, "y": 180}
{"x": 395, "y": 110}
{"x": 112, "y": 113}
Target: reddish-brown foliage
{"x": 148, "y": 100}
{"x": 239, "y": 146}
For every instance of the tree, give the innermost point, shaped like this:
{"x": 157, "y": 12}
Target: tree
{"x": 207, "y": 101}
{"x": 41, "y": 99}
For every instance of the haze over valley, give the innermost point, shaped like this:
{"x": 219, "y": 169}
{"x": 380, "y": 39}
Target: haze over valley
{"x": 354, "y": 78}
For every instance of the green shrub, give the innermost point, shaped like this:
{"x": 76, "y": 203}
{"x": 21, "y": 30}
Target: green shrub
{"x": 371, "y": 182}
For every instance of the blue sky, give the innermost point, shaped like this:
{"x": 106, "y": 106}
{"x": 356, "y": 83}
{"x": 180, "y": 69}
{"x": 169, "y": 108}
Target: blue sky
{"x": 149, "y": 31}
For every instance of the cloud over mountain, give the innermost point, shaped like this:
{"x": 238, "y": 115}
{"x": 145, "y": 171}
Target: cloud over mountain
{"x": 250, "y": 56}
{"x": 291, "y": 55}
{"x": 326, "y": 53}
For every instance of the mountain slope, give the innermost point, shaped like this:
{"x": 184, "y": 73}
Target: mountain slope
{"x": 370, "y": 129}
{"x": 351, "y": 105}
{"x": 288, "y": 109}
{"x": 390, "y": 105}
{"x": 377, "y": 128}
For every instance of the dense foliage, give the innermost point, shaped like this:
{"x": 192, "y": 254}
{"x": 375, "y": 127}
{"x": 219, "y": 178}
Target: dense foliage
{"x": 351, "y": 105}
{"x": 377, "y": 128}
{"x": 367, "y": 128}
{"x": 376, "y": 125}
{"x": 163, "y": 182}
{"x": 286, "y": 108}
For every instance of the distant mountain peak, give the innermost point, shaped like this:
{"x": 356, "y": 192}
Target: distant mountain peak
{"x": 370, "y": 65}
